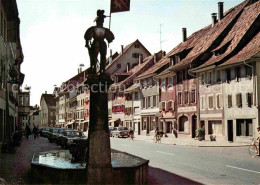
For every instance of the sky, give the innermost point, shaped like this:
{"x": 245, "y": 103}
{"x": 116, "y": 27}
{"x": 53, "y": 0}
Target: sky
{"x": 52, "y": 32}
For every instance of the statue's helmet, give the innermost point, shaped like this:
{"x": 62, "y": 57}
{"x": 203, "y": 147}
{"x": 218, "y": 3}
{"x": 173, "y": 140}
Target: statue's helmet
{"x": 100, "y": 16}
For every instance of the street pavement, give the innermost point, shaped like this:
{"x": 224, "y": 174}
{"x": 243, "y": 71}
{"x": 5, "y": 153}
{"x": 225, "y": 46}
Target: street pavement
{"x": 15, "y": 168}
{"x": 171, "y": 140}
{"x": 173, "y": 164}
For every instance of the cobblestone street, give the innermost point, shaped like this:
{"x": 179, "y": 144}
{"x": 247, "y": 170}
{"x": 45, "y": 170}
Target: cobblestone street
{"x": 15, "y": 167}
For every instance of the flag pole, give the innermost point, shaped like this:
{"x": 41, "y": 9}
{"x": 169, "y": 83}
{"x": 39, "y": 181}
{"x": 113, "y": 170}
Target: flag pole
{"x": 110, "y": 20}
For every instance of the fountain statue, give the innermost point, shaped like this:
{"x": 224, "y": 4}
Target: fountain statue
{"x": 99, "y": 168}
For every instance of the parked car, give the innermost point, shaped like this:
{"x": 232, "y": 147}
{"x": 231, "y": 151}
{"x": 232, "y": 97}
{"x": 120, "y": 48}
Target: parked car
{"x": 71, "y": 138}
{"x": 45, "y": 131}
{"x": 120, "y": 132}
{"x": 111, "y": 128}
{"x": 53, "y": 134}
{"x": 59, "y": 135}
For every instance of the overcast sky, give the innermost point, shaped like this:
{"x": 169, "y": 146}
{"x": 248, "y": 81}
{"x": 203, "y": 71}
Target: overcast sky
{"x": 52, "y": 32}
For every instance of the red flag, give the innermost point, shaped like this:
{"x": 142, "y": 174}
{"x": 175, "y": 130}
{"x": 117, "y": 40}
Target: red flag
{"x": 120, "y": 6}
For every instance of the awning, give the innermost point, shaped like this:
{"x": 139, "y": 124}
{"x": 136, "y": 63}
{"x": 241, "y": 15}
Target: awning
{"x": 70, "y": 123}
{"x": 113, "y": 120}
{"x": 85, "y": 121}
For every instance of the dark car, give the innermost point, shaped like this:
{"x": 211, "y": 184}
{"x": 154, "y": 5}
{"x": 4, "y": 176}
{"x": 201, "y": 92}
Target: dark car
{"x": 72, "y": 137}
{"x": 45, "y": 131}
{"x": 60, "y": 134}
{"x": 53, "y": 134}
{"x": 120, "y": 132}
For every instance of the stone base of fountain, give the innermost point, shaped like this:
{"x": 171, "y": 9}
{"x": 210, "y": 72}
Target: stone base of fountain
{"x": 55, "y": 167}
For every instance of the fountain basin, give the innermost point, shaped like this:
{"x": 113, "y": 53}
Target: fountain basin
{"x": 55, "y": 167}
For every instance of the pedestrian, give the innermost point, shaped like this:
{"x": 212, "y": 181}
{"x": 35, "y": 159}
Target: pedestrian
{"x": 34, "y": 132}
{"x": 27, "y": 131}
{"x": 258, "y": 138}
{"x": 37, "y": 129}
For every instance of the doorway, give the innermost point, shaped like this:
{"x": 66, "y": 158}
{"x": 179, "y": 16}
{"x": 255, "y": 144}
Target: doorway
{"x": 194, "y": 126}
{"x": 230, "y": 130}
{"x": 139, "y": 129}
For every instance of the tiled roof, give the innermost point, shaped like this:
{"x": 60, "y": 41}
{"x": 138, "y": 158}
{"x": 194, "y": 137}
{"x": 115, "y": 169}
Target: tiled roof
{"x": 237, "y": 37}
{"x": 207, "y": 38}
{"x": 125, "y": 49}
{"x": 137, "y": 70}
{"x": 49, "y": 99}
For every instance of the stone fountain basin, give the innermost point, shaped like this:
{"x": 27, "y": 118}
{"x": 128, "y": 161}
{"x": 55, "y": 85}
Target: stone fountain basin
{"x": 55, "y": 167}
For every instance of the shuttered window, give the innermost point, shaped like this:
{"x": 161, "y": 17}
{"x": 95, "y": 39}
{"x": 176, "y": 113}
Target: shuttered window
{"x": 219, "y": 101}
{"x": 229, "y": 101}
{"x": 193, "y": 96}
{"x": 239, "y": 100}
{"x": 249, "y": 99}
{"x": 211, "y": 102}
{"x": 179, "y": 98}
{"x": 186, "y": 95}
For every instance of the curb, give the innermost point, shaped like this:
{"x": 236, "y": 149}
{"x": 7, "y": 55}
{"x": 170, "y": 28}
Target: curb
{"x": 202, "y": 146}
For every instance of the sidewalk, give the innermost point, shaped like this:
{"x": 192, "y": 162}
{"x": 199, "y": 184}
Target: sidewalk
{"x": 171, "y": 140}
{"x": 14, "y": 168}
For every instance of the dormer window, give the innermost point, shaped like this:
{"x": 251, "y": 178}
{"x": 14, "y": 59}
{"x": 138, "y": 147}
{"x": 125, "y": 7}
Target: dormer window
{"x": 174, "y": 60}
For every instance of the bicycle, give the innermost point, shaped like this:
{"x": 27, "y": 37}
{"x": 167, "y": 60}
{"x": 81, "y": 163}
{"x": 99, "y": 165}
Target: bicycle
{"x": 157, "y": 138}
{"x": 253, "y": 148}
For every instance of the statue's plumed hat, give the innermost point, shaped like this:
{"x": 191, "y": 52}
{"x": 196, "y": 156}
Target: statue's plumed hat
{"x": 100, "y": 16}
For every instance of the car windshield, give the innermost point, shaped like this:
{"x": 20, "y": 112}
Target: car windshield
{"x": 55, "y": 131}
{"x": 122, "y": 128}
{"x": 74, "y": 133}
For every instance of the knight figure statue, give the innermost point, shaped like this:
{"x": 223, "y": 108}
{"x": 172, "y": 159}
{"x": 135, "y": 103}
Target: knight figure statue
{"x": 95, "y": 42}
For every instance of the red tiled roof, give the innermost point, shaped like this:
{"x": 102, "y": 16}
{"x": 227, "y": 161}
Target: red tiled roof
{"x": 207, "y": 38}
{"x": 237, "y": 34}
{"x": 125, "y": 49}
{"x": 137, "y": 70}
{"x": 250, "y": 50}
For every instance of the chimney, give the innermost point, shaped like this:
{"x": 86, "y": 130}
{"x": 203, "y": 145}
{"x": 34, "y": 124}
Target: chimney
{"x": 220, "y": 10}
{"x": 111, "y": 53}
{"x": 45, "y": 92}
{"x": 214, "y": 19}
{"x": 140, "y": 59}
{"x": 154, "y": 58}
{"x": 122, "y": 48}
{"x": 78, "y": 70}
{"x": 184, "y": 34}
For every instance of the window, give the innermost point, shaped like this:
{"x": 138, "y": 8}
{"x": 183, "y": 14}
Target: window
{"x": 249, "y": 99}
{"x": 219, "y": 101}
{"x": 179, "y": 98}
{"x": 238, "y": 73}
{"x": 228, "y": 74}
{"x": 186, "y": 96}
{"x": 136, "y": 95}
{"x": 143, "y": 103}
{"x": 136, "y": 110}
{"x": 135, "y": 55}
{"x": 170, "y": 106}
{"x": 229, "y": 101}
{"x": 239, "y": 100}
{"x": 193, "y": 96}
{"x": 163, "y": 106}
{"x": 210, "y": 78}
{"x": 202, "y": 79}
{"x": 218, "y": 77}
{"x": 163, "y": 84}
{"x": 244, "y": 127}
{"x": 215, "y": 127}
{"x": 137, "y": 46}
{"x": 202, "y": 103}
{"x": 210, "y": 102}
{"x": 149, "y": 102}
{"x": 248, "y": 72}
{"x": 154, "y": 101}
{"x": 170, "y": 81}
{"x": 179, "y": 77}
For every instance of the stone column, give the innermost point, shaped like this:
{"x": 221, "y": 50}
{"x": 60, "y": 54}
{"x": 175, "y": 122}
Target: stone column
{"x": 99, "y": 168}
